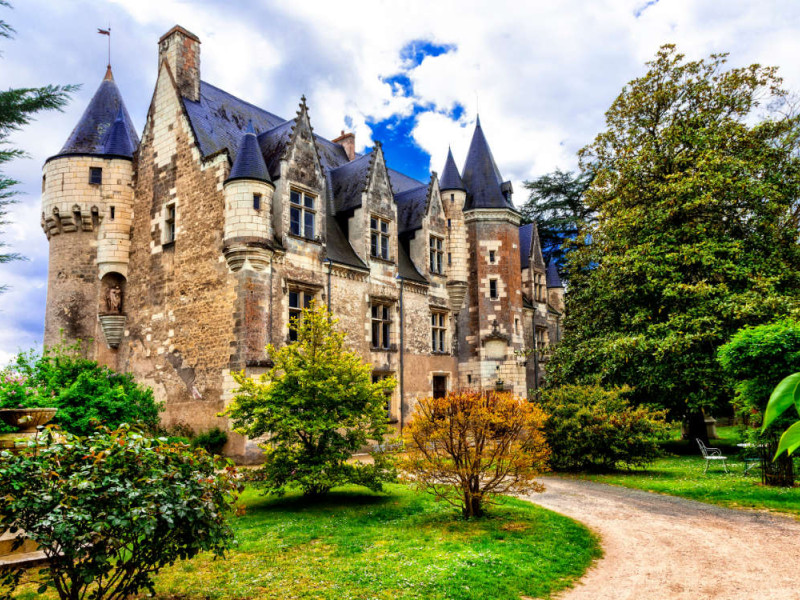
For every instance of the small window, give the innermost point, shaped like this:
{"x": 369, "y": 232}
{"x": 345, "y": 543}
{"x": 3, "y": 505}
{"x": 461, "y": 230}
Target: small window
{"x": 436, "y": 255}
{"x": 44, "y": 182}
{"x": 448, "y": 223}
{"x": 95, "y": 175}
{"x": 257, "y": 201}
{"x": 438, "y": 331}
{"x": 449, "y": 259}
{"x": 381, "y": 325}
{"x": 379, "y": 238}
{"x": 169, "y": 224}
{"x": 298, "y": 300}
{"x": 379, "y": 376}
{"x": 491, "y": 256}
{"x": 113, "y": 212}
{"x": 302, "y": 214}
{"x": 452, "y": 197}
{"x": 493, "y": 289}
{"x": 469, "y": 378}
{"x": 516, "y": 326}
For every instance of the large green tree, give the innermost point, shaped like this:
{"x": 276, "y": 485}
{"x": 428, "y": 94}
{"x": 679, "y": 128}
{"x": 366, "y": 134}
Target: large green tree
{"x": 555, "y": 202}
{"x": 696, "y": 182}
{"x": 17, "y": 107}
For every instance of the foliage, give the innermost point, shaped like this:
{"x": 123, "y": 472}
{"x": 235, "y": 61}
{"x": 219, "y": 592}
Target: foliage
{"x": 317, "y": 405}
{"x": 468, "y": 447}
{"x": 786, "y": 394}
{"x": 556, "y": 204}
{"x": 110, "y": 510}
{"x": 17, "y": 107}
{"x": 399, "y": 544}
{"x": 212, "y": 440}
{"x": 696, "y": 232}
{"x": 591, "y": 428}
{"x": 85, "y": 393}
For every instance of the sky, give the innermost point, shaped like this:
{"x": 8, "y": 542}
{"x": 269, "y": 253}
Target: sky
{"x": 410, "y": 74}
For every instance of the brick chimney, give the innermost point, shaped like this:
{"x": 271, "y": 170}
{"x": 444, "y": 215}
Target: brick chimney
{"x": 348, "y": 142}
{"x": 181, "y": 49}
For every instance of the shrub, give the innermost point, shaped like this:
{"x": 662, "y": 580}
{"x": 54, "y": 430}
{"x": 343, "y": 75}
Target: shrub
{"x": 591, "y": 428}
{"x": 316, "y": 406}
{"x": 212, "y": 441}
{"x": 85, "y": 393}
{"x": 112, "y": 509}
{"x": 469, "y": 446}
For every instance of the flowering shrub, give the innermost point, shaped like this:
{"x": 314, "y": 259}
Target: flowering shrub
{"x": 470, "y": 446}
{"x": 591, "y": 428}
{"x": 110, "y": 510}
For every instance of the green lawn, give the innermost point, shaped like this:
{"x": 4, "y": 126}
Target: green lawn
{"x": 683, "y": 476}
{"x": 385, "y": 546}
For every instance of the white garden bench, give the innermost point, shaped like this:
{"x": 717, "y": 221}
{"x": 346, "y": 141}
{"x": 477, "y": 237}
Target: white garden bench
{"x": 711, "y": 454}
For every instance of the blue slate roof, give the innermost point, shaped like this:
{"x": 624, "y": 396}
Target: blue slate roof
{"x": 349, "y": 182}
{"x": 530, "y": 247}
{"x": 95, "y": 133}
{"x": 481, "y": 176}
{"x": 451, "y": 179}
{"x": 411, "y": 206}
{"x": 249, "y": 162}
{"x": 553, "y": 278}
{"x": 406, "y": 268}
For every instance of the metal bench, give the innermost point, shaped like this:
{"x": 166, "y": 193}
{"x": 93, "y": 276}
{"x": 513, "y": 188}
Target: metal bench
{"x": 711, "y": 454}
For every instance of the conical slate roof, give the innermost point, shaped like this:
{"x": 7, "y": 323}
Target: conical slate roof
{"x": 451, "y": 179}
{"x": 97, "y": 133}
{"x": 481, "y": 175}
{"x": 249, "y": 162}
{"x": 553, "y": 279}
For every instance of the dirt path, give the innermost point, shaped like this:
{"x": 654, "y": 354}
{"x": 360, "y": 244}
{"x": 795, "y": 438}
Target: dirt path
{"x": 665, "y": 548}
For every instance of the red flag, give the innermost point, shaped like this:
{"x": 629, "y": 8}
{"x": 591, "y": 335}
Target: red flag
{"x": 104, "y": 31}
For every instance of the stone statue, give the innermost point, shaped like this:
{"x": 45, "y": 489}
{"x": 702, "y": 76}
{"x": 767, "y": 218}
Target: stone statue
{"x": 114, "y": 299}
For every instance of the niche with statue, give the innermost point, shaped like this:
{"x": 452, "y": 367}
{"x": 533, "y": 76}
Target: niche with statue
{"x": 112, "y": 308}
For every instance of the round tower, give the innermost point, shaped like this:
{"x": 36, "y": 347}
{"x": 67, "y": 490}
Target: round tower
{"x": 87, "y": 212}
{"x": 248, "y": 192}
{"x": 454, "y": 194}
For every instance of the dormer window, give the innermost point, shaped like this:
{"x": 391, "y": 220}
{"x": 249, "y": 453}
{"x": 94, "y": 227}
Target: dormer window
{"x": 437, "y": 255}
{"x": 302, "y": 214}
{"x": 379, "y": 238}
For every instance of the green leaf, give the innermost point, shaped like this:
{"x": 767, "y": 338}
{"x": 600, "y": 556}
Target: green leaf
{"x": 782, "y": 397}
{"x": 790, "y": 440}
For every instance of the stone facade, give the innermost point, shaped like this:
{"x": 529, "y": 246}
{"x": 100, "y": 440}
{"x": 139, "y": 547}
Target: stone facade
{"x": 224, "y": 219}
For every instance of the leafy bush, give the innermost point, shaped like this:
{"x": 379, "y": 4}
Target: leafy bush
{"x": 212, "y": 441}
{"x": 591, "y": 428}
{"x": 316, "y": 406}
{"x": 112, "y": 509}
{"x": 469, "y": 446}
{"x": 85, "y": 393}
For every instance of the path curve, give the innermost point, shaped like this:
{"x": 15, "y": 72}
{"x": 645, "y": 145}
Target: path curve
{"x": 660, "y": 547}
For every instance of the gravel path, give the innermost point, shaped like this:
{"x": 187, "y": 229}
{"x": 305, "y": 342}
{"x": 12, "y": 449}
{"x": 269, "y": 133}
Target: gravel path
{"x": 666, "y": 548}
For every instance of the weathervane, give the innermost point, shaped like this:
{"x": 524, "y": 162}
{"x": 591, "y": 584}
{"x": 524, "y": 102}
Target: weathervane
{"x": 108, "y": 33}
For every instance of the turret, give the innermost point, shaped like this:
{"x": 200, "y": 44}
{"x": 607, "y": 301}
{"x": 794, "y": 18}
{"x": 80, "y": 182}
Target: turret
{"x": 248, "y": 195}
{"x": 87, "y": 212}
{"x": 454, "y": 195}
{"x": 493, "y": 327}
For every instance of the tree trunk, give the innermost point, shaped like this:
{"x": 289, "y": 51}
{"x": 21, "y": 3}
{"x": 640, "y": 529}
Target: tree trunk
{"x": 696, "y": 429}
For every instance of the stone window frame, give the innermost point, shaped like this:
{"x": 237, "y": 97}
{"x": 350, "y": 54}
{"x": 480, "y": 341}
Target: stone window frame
{"x": 378, "y": 375}
{"x": 257, "y": 199}
{"x": 439, "y": 337}
{"x": 304, "y": 210}
{"x": 492, "y": 257}
{"x": 96, "y": 175}
{"x": 493, "y": 290}
{"x": 169, "y": 224}
{"x": 436, "y": 247}
{"x": 539, "y": 339}
{"x": 305, "y": 295}
{"x": 379, "y": 237}
{"x": 382, "y": 318}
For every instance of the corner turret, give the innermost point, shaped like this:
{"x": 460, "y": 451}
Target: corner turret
{"x": 454, "y": 195}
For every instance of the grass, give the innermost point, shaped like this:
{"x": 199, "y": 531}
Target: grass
{"x": 683, "y": 476}
{"x": 400, "y": 544}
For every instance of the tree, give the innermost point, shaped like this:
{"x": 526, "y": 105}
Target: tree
{"x": 468, "y": 447}
{"x": 595, "y": 429}
{"x": 556, "y": 205}
{"x": 17, "y": 107}
{"x": 756, "y": 359}
{"x": 110, "y": 510}
{"x": 696, "y": 195}
{"x": 316, "y": 407}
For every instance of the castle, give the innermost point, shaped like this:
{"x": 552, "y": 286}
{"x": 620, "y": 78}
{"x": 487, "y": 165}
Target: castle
{"x": 180, "y": 256}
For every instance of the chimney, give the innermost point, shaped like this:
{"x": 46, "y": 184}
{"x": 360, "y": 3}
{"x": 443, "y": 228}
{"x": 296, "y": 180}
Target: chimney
{"x": 348, "y": 142}
{"x": 181, "y": 49}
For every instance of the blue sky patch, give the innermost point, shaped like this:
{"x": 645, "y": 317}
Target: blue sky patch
{"x": 415, "y": 51}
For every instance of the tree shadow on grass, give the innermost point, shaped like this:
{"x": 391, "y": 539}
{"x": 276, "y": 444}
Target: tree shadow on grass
{"x": 336, "y": 499}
